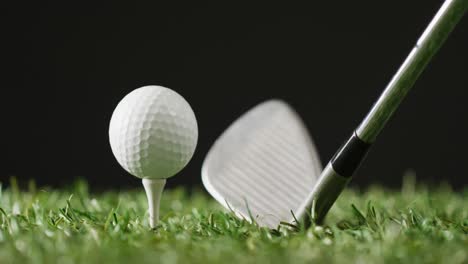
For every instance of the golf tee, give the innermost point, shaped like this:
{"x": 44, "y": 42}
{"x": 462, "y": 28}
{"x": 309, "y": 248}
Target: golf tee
{"x": 153, "y": 189}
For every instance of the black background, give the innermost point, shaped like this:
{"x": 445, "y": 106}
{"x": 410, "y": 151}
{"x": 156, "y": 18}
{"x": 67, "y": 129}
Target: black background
{"x": 66, "y": 68}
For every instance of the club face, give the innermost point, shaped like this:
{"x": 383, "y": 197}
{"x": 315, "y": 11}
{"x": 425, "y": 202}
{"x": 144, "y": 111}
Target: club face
{"x": 264, "y": 166}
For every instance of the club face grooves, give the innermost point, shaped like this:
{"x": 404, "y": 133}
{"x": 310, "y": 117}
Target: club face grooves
{"x": 264, "y": 165}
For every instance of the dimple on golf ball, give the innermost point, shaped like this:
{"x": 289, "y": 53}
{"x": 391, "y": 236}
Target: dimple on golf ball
{"x": 153, "y": 132}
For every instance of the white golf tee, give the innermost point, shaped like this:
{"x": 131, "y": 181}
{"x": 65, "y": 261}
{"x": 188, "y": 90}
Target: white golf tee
{"x": 153, "y": 189}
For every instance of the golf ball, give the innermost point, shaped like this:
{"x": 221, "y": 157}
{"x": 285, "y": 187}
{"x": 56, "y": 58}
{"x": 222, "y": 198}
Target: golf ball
{"x": 153, "y": 132}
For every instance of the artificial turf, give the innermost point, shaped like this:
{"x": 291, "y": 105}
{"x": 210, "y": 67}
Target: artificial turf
{"x": 72, "y": 225}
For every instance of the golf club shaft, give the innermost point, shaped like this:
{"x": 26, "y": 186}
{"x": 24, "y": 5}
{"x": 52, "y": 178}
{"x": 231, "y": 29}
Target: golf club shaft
{"x": 347, "y": 159}
{"x": 428, "y": 44}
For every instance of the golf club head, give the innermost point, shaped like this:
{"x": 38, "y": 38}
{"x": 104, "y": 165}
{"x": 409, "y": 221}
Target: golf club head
{"x": 264, "y": 166}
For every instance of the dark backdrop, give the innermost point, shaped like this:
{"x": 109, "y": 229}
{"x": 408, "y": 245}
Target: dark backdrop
{"x": 66, "y": 68}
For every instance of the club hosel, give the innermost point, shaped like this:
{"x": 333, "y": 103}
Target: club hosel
{"x": 336, "y": 176}
{"x": 326, "y": 191}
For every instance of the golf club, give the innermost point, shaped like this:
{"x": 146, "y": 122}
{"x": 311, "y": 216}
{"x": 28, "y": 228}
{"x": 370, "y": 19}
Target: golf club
{"x": 236, "y": 170}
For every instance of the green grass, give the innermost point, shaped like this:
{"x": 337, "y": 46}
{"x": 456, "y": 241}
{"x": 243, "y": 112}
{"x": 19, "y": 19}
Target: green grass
{"x": 71, "y": 225}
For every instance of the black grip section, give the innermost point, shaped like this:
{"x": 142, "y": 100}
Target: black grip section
{"x": 348, "y": 158}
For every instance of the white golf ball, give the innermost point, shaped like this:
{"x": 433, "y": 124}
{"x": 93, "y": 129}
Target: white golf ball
{"x": 153, "y": 132}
